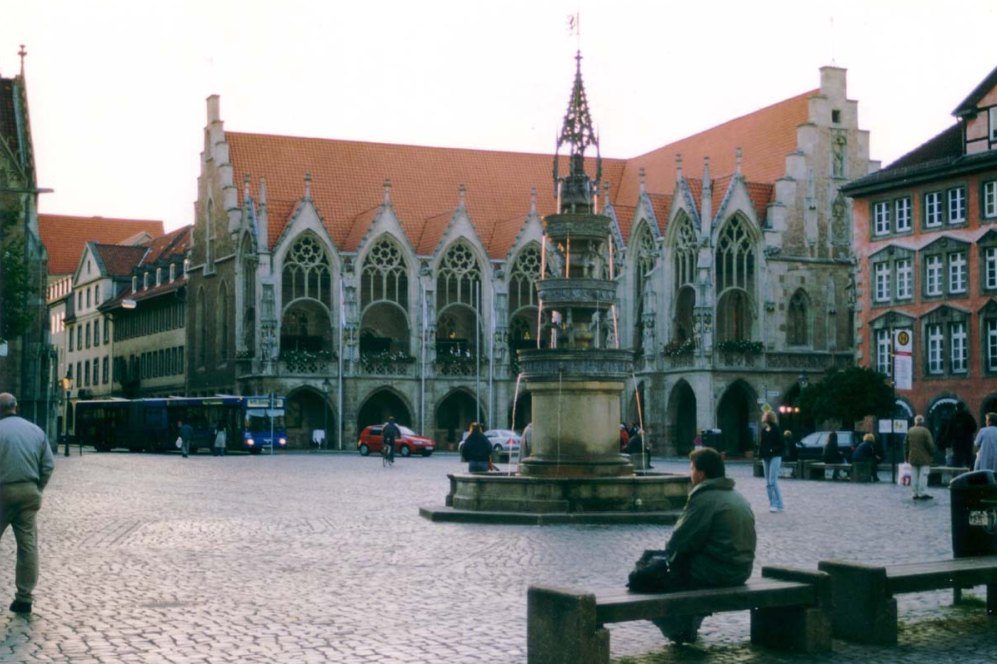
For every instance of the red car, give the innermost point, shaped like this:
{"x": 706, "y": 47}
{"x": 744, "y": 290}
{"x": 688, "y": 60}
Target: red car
{"x": 406, "y": 445}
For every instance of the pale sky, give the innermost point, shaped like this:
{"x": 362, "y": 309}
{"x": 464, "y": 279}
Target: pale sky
{"x": 117, "y": 88}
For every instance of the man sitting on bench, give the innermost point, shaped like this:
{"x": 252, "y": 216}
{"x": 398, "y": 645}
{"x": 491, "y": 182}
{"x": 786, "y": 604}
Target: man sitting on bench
{"x": 713, "y": 543}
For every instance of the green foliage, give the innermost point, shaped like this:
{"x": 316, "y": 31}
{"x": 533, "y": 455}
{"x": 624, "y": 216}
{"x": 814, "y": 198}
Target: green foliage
{"x": 740, "y": 346}
{"x": 848, "y": 395}
{"x": 679, "y": 349}
{"x": 15, "y": 290}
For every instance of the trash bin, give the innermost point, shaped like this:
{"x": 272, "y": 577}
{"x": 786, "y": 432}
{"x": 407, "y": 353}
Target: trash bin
{"x": 974, "y": 514}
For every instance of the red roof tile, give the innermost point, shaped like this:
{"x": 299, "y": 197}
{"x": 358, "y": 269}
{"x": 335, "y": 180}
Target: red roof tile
{"x": 118, "y": 260}
{"x": 64, "y": 236}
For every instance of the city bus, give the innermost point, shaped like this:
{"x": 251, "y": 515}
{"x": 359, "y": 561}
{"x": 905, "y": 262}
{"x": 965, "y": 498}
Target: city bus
{"x": 252, "y": 423}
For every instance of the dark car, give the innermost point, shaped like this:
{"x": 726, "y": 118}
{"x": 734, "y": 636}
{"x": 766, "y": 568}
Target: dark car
{"x": 811, "y": 446}
{"x": 407, "y": 444}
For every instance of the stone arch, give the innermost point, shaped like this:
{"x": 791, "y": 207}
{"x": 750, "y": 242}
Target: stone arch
{"x": 384, "y": 299}
{"x": 381, "y": 404}
{"x": 459, "y": 314}
{"x": 306, "y": 297}
{"x": 454, "y": 414}
{"x": 308, "y": 410}
{"x": 682, "y": 425}
{"x": 521, "y": 410}
{"x": 523, "y": 303}
{"x": 737, "y": 417}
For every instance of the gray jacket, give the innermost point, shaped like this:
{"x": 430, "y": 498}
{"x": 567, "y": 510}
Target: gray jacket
{"x": 25, "y": 455}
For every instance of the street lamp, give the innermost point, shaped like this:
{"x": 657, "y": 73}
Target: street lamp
{"x": 67, "y": 386}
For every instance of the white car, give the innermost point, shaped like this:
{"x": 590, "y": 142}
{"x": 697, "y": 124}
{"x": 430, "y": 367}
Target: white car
{"x": 503, "y": 441}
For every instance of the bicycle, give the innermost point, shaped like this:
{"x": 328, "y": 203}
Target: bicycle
{"x": 386, "y": 459}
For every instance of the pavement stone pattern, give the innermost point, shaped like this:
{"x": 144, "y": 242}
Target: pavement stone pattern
{"x": 323, "y": 557}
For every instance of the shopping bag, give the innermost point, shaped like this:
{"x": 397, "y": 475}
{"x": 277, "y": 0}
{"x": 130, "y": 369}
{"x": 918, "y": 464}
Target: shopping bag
{"x": 904, "y": 474}
{"x": 179, "y": 442}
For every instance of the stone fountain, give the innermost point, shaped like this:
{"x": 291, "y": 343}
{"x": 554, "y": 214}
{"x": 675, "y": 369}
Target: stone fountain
{"x": 576, "y": 376}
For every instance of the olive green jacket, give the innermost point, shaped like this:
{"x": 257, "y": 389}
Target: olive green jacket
{"x": 919, "y": 446}
{"x": 715, "y": 535}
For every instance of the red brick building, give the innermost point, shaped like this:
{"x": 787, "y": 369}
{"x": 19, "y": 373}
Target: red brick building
{"x": 926, "y": 245}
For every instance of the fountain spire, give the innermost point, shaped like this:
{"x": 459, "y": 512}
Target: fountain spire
{"x": 577, "y": 133}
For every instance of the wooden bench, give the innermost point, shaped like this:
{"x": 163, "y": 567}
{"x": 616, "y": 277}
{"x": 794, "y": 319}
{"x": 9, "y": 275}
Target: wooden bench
{"x": 863, "y": 606}
{"x": 860, "y": 471}
{"x": 942, "y": 475}
{"x": 789, "y": 611}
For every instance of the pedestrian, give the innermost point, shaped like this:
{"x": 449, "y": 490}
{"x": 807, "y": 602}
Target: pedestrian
{"x": 959, "y": 437}
{"x": 624, "y": 437}
{"x": 866, "y": 452}
{"x": 770, "y": 448}
{"x": 986, "y": 445}
{"x": 712, "y": 545}
{"x": 919, "y": 451}
{"x": 697, "y": 442}
{"x": 26, "y": 465}
{"x": 832, "y": 453}
{"x": 220, "y": 438}
{"x": 389, "y": 434}
{"x": 186, "y": 432}
{"x": 477, "y": 451}
{"x": 637, "y": 449}
{"x": 790, "y": 448}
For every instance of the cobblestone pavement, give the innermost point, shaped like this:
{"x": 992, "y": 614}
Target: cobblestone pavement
{"x": 324, "y": 558}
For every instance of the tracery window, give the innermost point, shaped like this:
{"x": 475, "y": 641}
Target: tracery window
{"x": 735, "y": 281}
{"x": 384, "y": 275}
{"x": 307, "y": 272}
{"x": 685, "y": 252}
{"x": 458, "y": 300}
{"x": 644, "y": 258}
{"x": 523, "y": 320}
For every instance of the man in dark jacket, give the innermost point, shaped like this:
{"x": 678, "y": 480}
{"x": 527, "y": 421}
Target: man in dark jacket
{"x": 389, "y": 434}
{"x": 713, "y": 543}
{"x": 959, "y": 436}
{"x": 476, "y": 450}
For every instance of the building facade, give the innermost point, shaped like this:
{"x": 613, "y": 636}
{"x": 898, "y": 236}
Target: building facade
{"x": 926, "y": 242}
{"x": 27, "y": 358}
{"x": 362, "y": 280}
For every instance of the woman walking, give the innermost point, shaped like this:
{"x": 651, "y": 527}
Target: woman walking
{"x": 771, "y": 451}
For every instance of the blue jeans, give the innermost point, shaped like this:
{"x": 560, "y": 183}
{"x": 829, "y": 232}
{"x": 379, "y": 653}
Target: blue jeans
{"x": 772, "y": 467}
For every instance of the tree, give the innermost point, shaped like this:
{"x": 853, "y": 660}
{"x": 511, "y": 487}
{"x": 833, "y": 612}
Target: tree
{"x": 848, "y": 396}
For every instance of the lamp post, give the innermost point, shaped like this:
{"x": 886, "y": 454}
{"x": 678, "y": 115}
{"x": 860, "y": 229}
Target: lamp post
{"x": 67, "y": 386}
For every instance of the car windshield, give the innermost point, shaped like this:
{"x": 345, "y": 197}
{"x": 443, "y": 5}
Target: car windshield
{"x": 406, "y": 431}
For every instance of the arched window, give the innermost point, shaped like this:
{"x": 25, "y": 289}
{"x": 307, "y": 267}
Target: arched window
{"x": 523, "y": 321}
{"x": 306, "y": 290}
{"x": 735, "y": 281}
{"x": 247, "y": 259}
{"x": 458, "y": 300}
{"x": 221, "y": 328}
{"x": 384, "y": 296}
{"x": 685, "y": 251}
{"x": 201, "y": 329}
{"x": 209, "y": 237}
{"x": 644, "y": 257}
{"x": 798, "y": 319}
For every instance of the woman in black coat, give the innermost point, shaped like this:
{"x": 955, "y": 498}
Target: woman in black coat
{"x": 770, "y": 448}
{"x": 477, "y": 451}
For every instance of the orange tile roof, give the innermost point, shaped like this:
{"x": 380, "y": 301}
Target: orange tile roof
{"x": 174, "y": 243}
{"x": 348, "y": 178}
{"x": 64, "y": 236}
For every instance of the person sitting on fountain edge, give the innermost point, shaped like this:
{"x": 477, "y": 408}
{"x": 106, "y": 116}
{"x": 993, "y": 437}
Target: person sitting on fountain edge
{"x": 713, "y": 543}
{"x": 477, "y": 451}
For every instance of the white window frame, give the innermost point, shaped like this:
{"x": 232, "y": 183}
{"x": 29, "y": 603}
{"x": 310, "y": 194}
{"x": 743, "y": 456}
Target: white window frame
{"x": 933, "y": 209}
{"x": 902, "y": 214}
{"x": 990, "y": 332}
{"x": 959, "y": 350}
{"x": 905, "y": 279}
{"x": 881, "y": 218}
{"x": 990, "y": 268}
{"x": 884, "y": 348}
{"x": 933, "y": 275}
{"x": 990, "y": 199}
{"x": 957, "y": 205}
{"x": 993, "y": 123}
{"x": 882, "y": 279}
{"x": 958, "y": 274}
{"x": 935, "y": 343}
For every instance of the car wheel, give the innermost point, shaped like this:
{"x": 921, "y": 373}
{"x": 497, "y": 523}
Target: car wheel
{"x": 405, "y": 451}
{"x": 426, "y": 453}
{"x": 498, "y": 447}
{"x": 364, "y": 450}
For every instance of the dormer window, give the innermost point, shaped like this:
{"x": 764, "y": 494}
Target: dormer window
{"x": 993, "y": 124}
{"x": 159, "y": 276}
{"x": 145, "y": 281}
{"x": 173, "y": 271}
{"x": 134, "y": 283}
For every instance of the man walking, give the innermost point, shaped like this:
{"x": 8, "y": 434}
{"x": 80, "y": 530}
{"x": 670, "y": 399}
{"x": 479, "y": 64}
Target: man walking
{"x": 713, "y": 543}
{"x": 919, "y": 451}
{"x": 25, "y": 467}
{"x": 186, "y": 432}
{"x": 389, "y": 434}
{"x": 986, "y": 445}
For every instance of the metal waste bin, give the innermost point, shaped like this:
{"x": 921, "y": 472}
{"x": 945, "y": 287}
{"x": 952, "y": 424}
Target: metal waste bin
{"x": 974, "y": 514}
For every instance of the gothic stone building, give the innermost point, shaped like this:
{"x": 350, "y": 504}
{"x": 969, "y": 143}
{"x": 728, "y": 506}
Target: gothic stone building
{"x": 362, "y": 279}
{"x": 26, "y": 357}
